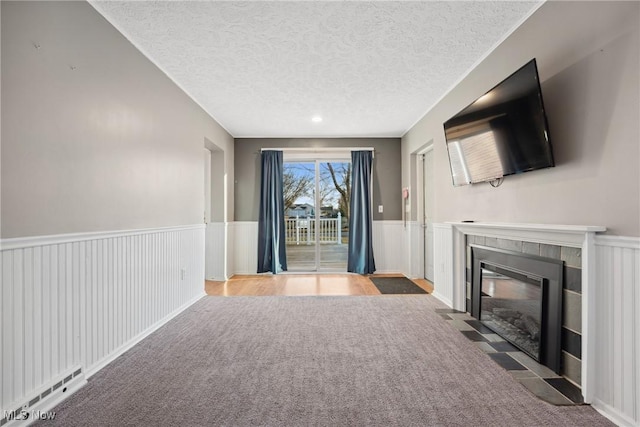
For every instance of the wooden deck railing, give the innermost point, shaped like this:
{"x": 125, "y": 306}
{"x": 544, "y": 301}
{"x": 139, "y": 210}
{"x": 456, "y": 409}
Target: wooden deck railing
{"x": 302, "y": 231}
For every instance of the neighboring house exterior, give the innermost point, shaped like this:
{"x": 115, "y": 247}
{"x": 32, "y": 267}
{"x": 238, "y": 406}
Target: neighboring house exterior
{"x": 328, "y": 212}
{"x": 301, "y": 210}
{"x": 305, "y": 210}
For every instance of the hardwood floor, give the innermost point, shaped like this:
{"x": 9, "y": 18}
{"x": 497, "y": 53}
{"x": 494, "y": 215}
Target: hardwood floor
{"x": 301, "y": 284}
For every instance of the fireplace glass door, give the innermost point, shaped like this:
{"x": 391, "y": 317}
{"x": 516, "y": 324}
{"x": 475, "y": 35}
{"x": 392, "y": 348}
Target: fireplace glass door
{"x": 512, "y": 308}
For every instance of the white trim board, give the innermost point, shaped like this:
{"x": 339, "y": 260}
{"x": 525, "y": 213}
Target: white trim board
{"x": 56, "y": 239}
{"x": 320, "y": 153}
{"x": 552, "y": 234}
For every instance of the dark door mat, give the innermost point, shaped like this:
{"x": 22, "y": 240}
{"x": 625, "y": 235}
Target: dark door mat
{"x": 396, "y": 285}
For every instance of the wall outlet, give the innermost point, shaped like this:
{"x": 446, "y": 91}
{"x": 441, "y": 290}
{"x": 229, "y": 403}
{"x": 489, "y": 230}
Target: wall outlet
{"x": 183, "y": 273}
{"x": 380, "y": 209}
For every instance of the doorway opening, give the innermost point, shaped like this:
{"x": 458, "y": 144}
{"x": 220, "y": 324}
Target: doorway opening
{"x": 425, "y": 179}
{"x": 215, "y": 208}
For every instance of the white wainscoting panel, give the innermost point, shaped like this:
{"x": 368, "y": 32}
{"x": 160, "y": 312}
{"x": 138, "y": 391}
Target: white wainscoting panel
{"x": 215, "y": 256}
{"x": 230, "y": 252}
{"x": 414, "y": 250}
{"x": 245, "y": 247}
{"x": 78, "y": 301}
{"x": 616, "y": 388}
{"x": 389, "y": 249}
{"x": 443, "y": 274}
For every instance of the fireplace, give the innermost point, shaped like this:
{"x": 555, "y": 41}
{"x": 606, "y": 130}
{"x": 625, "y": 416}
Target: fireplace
{"x": 519, "y": 297}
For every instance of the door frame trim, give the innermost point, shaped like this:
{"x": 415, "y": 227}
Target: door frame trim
{"x": 339, "y": 155}
{"x": 420, "y": 155}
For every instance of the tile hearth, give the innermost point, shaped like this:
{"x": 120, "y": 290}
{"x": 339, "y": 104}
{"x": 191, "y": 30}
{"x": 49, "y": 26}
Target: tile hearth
{"x": 538, "y": 379}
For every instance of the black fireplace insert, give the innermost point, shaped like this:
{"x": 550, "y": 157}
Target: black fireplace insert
{"x": 519, "y": 297}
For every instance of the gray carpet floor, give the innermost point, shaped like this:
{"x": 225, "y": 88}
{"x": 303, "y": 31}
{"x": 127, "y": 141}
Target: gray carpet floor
{"x": 301, "y": 361}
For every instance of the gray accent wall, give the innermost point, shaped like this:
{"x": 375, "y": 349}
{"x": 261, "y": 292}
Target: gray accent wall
{"x": 588, "y": 56}
{"x": 94, "y": 136}
{"x": 386, "y": 171}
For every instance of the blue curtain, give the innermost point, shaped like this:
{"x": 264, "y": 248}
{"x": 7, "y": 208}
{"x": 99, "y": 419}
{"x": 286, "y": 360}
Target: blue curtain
{"x": 272, "y": 254}
{"x": 360, "y": 258}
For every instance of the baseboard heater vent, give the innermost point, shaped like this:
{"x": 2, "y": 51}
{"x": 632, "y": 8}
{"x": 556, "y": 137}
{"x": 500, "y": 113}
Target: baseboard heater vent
{"x": 40, "y": 405}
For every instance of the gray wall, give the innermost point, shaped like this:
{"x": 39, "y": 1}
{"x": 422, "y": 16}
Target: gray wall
{"x": 94, "y": 136}
{"x": 588, "y": 60}
{"x": 386, "y": 171}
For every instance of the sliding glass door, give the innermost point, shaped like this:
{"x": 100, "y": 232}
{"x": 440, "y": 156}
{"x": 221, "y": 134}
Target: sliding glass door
{"x": 334, "y": 189}
{"x": 316, "y": 198}
{"x": 299, "y": 214}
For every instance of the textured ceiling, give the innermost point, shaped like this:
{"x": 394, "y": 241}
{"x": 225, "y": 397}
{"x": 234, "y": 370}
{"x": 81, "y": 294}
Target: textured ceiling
{"x": 264, "y": 69}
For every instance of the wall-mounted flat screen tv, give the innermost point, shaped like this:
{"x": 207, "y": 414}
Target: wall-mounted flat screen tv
{"x": 504, "y": 132}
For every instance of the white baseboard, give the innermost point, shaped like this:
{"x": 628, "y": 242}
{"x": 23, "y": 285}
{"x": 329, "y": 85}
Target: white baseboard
{"x": 445, "y": 300}
{"x": 613, "y": 414}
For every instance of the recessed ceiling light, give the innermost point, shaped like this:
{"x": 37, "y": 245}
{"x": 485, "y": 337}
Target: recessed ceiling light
{"x": 316, "y": 119}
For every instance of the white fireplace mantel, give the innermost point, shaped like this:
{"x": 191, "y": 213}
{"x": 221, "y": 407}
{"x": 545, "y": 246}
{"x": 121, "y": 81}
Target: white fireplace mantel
{"x": 450, "y": 268}
{"x": 551, "y": 234}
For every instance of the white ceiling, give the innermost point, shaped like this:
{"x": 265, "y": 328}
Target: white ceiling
{"x": 264, "y": 69}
